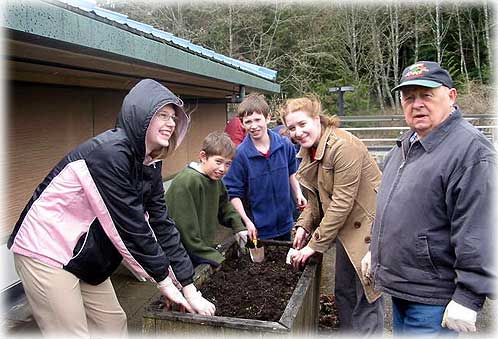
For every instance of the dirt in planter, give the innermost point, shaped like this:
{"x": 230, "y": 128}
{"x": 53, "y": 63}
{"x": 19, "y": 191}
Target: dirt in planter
{"x": 243, "y": 289}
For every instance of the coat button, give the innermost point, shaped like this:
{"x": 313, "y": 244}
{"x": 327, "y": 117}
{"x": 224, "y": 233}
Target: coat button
{"x": 367, "y": 239}
{"x": 357, "y": 224}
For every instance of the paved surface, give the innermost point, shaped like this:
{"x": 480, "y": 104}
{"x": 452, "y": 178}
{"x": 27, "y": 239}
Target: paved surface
{"x": 486, "y": 319}
{"x": 135, "y": 295}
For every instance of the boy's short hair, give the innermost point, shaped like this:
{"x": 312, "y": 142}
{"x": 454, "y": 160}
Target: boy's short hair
{"x": 218, "y": 143}
{"x": 254, "y": 102}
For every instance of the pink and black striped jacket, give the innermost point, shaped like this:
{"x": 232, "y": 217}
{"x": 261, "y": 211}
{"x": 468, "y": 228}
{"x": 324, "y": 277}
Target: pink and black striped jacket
{"x": 100, "y": 205}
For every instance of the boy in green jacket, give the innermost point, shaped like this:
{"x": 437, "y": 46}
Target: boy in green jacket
{"x": 198, "y": 201}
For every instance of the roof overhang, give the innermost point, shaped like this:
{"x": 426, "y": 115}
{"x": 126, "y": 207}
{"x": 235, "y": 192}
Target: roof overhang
{"x": 49, "y": 43}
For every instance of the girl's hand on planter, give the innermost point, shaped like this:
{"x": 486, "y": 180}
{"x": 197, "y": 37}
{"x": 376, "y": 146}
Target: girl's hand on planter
{"x": 173, "y": 295}
{"x": 197, "y": 301}
{"x": 300, "y": 238}
{"x": 299, "y": 258}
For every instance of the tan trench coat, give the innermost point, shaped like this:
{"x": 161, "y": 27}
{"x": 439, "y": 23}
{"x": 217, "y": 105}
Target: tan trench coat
{"x": 341, "y": 185}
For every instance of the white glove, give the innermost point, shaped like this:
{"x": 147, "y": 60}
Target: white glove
{"x": 241, "y": 238}
{"x": 366, "y": 265}
{"x": 197, "y": 301}
{"x": 173, "y": 294}
{"x": 459, "y": 318}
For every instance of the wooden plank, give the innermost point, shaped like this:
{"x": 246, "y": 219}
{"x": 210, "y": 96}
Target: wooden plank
{"x": 148, "y": 325}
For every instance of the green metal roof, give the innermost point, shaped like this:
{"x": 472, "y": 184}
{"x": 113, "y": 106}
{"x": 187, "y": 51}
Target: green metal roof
{"x": 68, "y": 24}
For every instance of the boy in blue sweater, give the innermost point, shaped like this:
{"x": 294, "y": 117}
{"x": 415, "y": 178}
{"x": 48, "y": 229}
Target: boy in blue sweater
{"x": 262, "y": 175}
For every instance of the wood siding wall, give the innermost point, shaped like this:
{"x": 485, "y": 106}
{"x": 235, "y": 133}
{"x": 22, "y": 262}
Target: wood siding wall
{"x": 45, "y": 122}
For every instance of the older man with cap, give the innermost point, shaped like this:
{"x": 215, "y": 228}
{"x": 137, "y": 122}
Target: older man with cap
{"x": 432, "y": 244}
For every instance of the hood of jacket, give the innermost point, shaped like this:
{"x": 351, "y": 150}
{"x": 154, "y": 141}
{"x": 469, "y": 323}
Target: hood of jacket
{"x": 139, "y": 106}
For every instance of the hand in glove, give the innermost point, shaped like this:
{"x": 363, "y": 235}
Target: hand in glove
{"x": 459, "y": 318}
{"x": 366, "y": 266}
{"x": 173, "y": 294}
{"x": 299, "y": 258}
{"x": 241, "y": 238}
{"x": 197, "y": 301}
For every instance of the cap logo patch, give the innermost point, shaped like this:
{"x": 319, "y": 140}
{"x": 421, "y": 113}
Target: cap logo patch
{"x": 416, "y": 71}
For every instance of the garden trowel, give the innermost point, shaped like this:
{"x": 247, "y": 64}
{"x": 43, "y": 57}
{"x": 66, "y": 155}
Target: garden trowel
{"x": 256, "y": 250}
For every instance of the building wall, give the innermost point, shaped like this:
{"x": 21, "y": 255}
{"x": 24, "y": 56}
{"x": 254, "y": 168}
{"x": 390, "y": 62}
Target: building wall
{"x": 45, "y": 122}
{"x": 205, "y": 118}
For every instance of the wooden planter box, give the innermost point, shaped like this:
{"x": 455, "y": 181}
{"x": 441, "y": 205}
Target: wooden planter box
{"x": 300, "y": 315}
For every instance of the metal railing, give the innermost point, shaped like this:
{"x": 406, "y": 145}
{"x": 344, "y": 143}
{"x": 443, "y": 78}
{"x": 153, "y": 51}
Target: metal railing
{"x": 380, "y": 132}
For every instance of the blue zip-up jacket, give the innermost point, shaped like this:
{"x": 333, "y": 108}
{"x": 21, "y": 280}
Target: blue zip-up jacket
{"x": 432, "y": 239}
{"x": 263, "y": 184}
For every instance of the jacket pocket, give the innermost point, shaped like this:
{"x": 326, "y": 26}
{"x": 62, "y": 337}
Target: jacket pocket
{"x": 326, "y": 180}
{"x": 424, "y": 258}
{"x": 94, "y": 256}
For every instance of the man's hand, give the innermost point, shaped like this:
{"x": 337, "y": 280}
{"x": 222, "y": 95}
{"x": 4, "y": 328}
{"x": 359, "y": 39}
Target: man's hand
{"x": 298, "y": 259}
{"x": 366, "y": 266}
{"x": 173, "y": 294}
{"x": 197, "y": 301}
{"x": 459, "y": 318}
{"x": 300, "y": 238}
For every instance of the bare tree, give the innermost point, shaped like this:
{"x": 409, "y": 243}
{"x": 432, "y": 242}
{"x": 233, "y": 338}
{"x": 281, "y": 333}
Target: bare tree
{"x": 378, "y": 65}
{"x": 463, "y": 64}
{"x": 475, "y": 43}
{"x": 415, "y": 34}
{"x": 486, "y": 32}
{"x": 440, "y": 29}
{"x": 395, "y": 43}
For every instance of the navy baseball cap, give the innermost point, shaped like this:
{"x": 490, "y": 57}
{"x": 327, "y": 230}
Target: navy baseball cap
{"x": 425, "y": 74}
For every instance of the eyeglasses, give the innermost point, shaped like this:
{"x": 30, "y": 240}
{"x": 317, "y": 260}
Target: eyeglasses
{"x": 166, "y": 117}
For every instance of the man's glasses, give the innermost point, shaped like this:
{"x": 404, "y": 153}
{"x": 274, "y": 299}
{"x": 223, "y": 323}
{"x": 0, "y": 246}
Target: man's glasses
{"x": 166, "y": 117}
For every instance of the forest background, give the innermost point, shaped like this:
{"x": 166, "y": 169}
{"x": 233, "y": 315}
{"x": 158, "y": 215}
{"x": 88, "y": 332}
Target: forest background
{"x": 317, "y": 45}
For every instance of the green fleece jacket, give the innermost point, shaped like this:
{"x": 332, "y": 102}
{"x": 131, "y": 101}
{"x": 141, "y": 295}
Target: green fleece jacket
{"x": 198, "y": 205}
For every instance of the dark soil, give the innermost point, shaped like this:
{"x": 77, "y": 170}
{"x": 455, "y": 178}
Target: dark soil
{"x": 243, "y": 289}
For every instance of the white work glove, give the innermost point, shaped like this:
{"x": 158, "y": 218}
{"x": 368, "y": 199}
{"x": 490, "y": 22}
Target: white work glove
{"x": 241, "y": 238}
{"x": 197, "y": 301}
{"x": 298, "y": 258}
{"x": 173, "y": 295}
{"x": 459, "y": 318}
{"x": 366, "y": 266}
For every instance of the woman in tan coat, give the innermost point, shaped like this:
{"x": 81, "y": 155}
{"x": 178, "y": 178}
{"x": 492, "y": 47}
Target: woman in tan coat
{"x": 340, "y": 178}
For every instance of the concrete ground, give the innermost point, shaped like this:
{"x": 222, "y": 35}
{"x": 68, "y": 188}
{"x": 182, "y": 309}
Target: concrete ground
{"x": 135, "y": 295}
{"x": 486, "y": 319}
